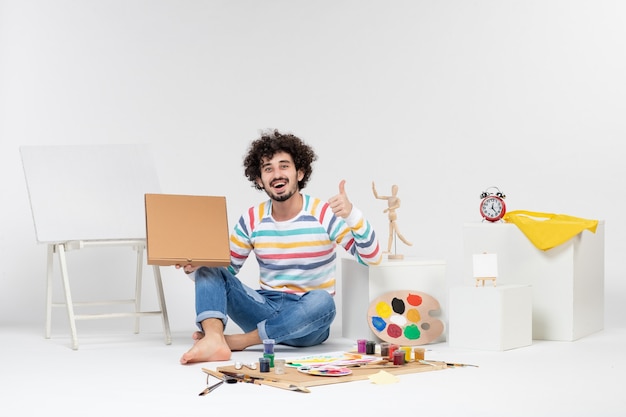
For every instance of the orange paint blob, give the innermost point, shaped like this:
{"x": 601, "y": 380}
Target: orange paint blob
{"x": 413, "y": 315}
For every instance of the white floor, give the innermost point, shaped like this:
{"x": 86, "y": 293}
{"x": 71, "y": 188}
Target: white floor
{"x": 118, "y": 373}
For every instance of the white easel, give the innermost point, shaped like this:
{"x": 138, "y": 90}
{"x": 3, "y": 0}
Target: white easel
{"x": 91, "y": 196}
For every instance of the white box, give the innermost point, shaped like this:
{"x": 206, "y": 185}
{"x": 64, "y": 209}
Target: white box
{"x": 490, "y": 318}
{"x": 361, "y": 284}
{"x": 567, "y": 281}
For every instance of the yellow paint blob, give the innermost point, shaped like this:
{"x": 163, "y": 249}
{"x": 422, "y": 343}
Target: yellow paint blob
{"x": 383, "y": 309}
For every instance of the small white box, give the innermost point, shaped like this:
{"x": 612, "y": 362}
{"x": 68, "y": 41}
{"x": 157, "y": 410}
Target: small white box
{"x": 490, "y": 318}
{"x": 567, "y": 281}
{"x": 361, "y": 284}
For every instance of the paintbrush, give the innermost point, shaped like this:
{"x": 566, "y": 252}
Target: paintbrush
{"x": 458, "y": 365}
{"x": 448, "y": 364}
{"x": 263, "y": 381}
{"x": 372, "y": 365}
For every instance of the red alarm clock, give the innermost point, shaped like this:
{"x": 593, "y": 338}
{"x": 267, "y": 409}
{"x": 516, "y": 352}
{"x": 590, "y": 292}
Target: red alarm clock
{"x": 492, "y": 207}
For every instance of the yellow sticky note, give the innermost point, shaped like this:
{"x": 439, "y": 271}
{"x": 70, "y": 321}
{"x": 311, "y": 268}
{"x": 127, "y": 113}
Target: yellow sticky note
{"x": 383, "y": 377}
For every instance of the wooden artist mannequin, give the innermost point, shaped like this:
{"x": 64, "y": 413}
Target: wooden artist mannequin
{"x": 393, "y": 203}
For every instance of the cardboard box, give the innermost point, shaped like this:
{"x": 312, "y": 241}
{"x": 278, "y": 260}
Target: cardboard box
{"x": 185, "y": 229}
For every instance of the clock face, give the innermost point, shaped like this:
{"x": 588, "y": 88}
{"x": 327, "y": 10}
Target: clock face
{"x": 492, "y": 208}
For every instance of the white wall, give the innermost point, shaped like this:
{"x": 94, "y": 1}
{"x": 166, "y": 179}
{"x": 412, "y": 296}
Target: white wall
{"x": 443, "y": 98}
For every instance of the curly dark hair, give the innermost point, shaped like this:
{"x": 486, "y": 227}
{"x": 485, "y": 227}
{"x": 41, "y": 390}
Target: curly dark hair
{"x": 268, "y": 145}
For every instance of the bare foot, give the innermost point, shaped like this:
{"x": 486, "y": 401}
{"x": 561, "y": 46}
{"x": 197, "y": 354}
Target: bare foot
{"x": 207, "y": 349}
{"x": 238, "y": 342}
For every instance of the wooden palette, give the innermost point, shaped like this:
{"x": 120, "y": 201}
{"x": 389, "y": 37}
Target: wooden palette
{"x": 405, "y": 318}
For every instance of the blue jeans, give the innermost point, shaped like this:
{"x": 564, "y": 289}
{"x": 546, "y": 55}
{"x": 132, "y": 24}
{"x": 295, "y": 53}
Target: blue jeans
{"x": 289, "y": 319}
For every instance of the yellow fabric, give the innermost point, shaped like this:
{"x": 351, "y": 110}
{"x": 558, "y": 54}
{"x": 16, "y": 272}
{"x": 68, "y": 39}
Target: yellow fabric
{"x": 547, "y": 230}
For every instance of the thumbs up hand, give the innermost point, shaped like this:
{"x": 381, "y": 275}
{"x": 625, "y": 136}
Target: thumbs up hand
{"x": 340, "y": 205}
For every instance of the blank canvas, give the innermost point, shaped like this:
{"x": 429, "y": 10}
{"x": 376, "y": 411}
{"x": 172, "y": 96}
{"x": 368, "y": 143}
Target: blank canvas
{"x": 88, "y": 192}
{"x": 485, "y": 265}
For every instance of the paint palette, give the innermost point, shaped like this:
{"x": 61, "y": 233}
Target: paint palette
{"x": 331, "y": 358}
{"x": 325, "y": 370}
{"x": 405, "y": 318}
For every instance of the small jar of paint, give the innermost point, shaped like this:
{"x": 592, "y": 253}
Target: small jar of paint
{"x": 370, "y": 347}
{"x": 269, "y": 356}
{"x": 361, "y": 345}
{"x": 268, "y": 345}
{"x": 418, "y": 353}
{"x": 384, "y": 349}
{"x": 392, "y": 349}
{"x": 279, "y": 366}
{"x": 398, "y": 357}
{"x": 407, "y": 353}
{"x": 264, "y": 364}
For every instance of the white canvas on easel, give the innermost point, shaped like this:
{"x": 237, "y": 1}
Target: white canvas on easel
{"x": 88, "y": 192}
{"x": 91, "y": 195}
{"x": 485, "y": 267}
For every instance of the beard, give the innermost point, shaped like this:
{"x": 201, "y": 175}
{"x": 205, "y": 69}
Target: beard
{"x": 282, "y": 197}
{"x": 289, "y": 189}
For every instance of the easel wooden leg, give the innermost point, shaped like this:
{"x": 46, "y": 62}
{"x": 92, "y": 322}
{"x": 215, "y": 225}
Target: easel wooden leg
{"x": 138, "y": 279}
{"x": 483, "y": 279}
{"x": 159, "y": 286}
{"x": 68, "y": 295}
{"x": 49, "y": 274}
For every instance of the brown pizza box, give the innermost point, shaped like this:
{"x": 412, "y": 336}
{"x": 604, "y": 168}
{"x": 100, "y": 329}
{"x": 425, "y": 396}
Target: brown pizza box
{"x": 187, "y": 229}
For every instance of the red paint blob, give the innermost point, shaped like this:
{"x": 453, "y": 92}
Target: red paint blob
{"x": 393, "y": 330}
{"x": 414, "y": 299}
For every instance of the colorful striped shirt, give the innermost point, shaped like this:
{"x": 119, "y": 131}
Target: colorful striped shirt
{"x": 299, "y": 255}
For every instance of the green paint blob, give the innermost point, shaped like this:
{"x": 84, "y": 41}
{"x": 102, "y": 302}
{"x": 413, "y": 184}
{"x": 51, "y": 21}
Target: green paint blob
{"x": 412, "y": 332}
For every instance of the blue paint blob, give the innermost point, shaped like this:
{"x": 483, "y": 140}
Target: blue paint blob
{"x": 378, "y": 323}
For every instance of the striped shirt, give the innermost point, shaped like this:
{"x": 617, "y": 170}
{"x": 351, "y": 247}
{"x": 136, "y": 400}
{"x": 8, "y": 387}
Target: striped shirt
{"x": 299, "y": 255}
